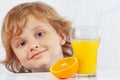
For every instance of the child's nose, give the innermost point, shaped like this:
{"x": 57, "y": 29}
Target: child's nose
{"x": 33, "y": 47}
{"x": 33, "y": 44}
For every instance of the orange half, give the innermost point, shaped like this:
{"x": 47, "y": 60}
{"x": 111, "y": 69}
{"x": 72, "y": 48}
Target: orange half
{"x": 65, "y": 67}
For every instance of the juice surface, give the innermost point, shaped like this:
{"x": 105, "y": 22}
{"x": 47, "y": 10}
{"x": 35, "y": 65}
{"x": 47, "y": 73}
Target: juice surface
{"x": 86, "y": 52}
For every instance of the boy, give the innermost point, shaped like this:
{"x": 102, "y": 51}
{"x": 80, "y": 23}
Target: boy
{"x": 34, "y": 36}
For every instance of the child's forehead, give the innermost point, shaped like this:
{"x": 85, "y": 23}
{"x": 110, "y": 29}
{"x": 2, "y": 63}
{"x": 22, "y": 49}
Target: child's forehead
{"x": 28, "y": 20}
{"x": 31, "y": 21}
{"x": 21, "y": 25}
{"x": 31, "y": 18}
{"x": 37, "y": 18}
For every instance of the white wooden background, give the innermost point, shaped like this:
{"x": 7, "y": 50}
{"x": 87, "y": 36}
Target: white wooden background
{"x": 102, "y": 13}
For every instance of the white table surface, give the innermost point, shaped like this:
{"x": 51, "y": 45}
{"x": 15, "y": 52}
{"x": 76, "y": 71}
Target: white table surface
{"x": 103, "y": 75}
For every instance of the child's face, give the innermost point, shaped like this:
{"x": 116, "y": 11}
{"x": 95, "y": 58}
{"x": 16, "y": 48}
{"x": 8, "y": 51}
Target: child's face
{"x": 38, "y": 46}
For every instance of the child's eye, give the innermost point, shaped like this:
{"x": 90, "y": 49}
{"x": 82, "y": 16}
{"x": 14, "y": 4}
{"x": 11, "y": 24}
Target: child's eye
{"x": 21, "y": 44}
{"x": 39, "y": 34}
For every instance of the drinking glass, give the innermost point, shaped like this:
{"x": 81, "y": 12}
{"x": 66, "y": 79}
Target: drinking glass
{"x": 85, "y": 42}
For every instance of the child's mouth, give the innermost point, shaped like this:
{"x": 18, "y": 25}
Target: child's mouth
{"x": 38, "y": 54}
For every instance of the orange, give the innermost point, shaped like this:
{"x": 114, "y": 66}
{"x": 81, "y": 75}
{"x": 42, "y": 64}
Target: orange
{"x": 65, "y": 67}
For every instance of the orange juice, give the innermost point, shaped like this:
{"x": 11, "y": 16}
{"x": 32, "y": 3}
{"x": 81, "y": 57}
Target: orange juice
{"x": 86, "y": 52}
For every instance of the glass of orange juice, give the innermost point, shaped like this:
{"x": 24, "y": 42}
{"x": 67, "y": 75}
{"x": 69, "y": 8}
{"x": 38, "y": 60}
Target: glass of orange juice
{"x": 85, "y": 43}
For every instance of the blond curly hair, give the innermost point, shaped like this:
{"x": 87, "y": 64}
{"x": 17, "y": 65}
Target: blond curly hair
{"x": 15, "y": 21}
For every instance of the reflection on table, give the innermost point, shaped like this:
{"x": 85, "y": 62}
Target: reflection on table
{"x": 48, "y": 76}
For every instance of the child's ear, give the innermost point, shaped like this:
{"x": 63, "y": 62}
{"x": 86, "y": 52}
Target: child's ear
{"x": 63, "y": 38}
